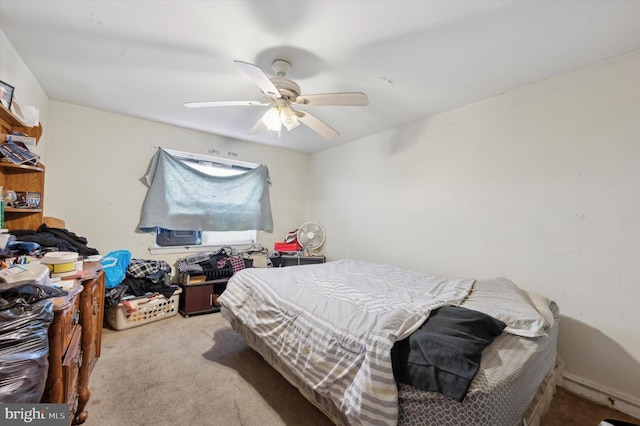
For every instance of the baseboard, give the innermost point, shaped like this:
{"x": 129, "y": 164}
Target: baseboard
{"x": 618, "y": 400}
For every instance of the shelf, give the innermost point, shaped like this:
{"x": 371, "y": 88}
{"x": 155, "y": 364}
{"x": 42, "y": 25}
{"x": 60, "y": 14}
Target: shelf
{"x": 12, "y": 122}
{"x": 21, "y": 166}
{"x": 24, "y": 211}
{"x": 216, "y": 281}
{"x": 11, "y": 118}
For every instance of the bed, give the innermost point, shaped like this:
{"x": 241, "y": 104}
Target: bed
{"x": 375, "y": 344}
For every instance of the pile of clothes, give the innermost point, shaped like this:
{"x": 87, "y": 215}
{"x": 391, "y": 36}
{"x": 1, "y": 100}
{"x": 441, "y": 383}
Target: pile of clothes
{"x": 135, "y": 277}
{"x": 47, "y": 239}
{"x": 225, "y": 262}
{"x": 219, "y": 264}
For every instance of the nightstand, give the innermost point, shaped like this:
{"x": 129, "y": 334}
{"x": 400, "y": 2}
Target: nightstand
{"x": 201, "y": 298}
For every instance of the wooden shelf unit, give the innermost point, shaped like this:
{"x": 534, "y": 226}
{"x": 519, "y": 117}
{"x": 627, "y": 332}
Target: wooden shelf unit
{"x": 20, "y": 177}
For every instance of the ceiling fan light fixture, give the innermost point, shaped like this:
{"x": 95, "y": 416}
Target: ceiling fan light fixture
{"x": 289, "y": 119}
{"x": 272, "y": 120}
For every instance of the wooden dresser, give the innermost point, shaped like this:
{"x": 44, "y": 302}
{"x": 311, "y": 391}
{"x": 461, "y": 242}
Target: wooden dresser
{"x": 75, "y": 339}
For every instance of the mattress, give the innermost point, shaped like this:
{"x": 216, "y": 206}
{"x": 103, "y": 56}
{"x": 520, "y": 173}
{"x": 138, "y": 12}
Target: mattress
{"x": 317, "y": 325}
{"x": 512, "y": 371}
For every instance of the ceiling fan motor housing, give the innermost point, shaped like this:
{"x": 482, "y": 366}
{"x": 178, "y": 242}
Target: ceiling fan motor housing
{"x": 287, "y": 88}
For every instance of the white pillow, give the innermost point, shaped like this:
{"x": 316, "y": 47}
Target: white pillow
{"x": 502, "y": 299}
{"x": 541, "y": 303}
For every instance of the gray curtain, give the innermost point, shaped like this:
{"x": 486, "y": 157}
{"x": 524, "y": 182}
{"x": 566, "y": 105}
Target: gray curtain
{"x": 182, "y": 198}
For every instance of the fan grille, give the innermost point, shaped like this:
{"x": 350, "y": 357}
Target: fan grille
{"x": 311, "y": 235}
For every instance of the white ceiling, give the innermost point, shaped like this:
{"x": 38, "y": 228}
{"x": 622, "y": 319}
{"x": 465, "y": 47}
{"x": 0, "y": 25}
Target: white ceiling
{"x": 412, "y": 58}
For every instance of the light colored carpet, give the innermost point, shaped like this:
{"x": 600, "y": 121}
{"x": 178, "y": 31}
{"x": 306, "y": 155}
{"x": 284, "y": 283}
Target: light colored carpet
{"x": 198, "y": 371}
{"x": 190, "y": 371}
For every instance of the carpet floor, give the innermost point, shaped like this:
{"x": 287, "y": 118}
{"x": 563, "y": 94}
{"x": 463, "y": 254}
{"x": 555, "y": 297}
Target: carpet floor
{"x": 190, "y": 371}
{"x": 198, "y": 371}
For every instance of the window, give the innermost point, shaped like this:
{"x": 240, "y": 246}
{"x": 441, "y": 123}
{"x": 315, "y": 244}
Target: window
{"x": 212, "y": 166}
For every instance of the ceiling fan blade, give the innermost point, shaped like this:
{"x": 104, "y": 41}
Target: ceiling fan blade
{"x": 260, "y": 78}
{"x": 317, "y": 125}
{"x": 259, "y": 126}
{"x": 207, "y": 104}
{"x": 344, "y": 99}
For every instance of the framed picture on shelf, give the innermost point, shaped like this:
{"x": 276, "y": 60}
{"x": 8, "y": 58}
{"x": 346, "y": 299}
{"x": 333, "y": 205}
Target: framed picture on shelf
{"x": 21, "y": 200}
{"x": 33, "y": 200}
{"x": 6, "y": 94}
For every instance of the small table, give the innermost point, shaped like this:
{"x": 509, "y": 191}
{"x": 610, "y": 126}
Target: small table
{"x": 201, "y": 298}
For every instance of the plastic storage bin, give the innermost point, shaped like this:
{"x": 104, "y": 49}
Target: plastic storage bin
{"x": 143, "y": 310}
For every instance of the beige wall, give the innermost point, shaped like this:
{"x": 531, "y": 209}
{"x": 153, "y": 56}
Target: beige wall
{"x": 96, "y": 161}
{"x": 540, "y": 185}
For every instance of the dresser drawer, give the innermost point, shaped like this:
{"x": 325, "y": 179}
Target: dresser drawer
{"x": 68, "y": 318}
{"x": 64, "y": 333}
{"x": 71, "y": 365}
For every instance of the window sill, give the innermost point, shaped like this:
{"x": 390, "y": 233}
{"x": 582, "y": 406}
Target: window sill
{"x": 194, "y": 249}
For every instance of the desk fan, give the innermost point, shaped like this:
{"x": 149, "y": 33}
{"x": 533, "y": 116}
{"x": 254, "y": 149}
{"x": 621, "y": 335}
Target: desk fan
{"x": 310, "y": 237}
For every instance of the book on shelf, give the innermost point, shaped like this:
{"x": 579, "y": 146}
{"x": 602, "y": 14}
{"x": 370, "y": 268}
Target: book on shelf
{"x": 18, "y": 153}
{"x": 28, "y": 141}
{"x": 33, "y": 199}
{"x": 24, "y": 152}
{"x": 9, "y": 156}
{"x": 21, "y": 200}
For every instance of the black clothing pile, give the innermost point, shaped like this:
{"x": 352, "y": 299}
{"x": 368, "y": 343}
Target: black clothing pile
{"x": 25, "y": 293}
{"x": 221, "y": 264}
{"x": 56, "y": 238}
{"x": 142, "y": 278}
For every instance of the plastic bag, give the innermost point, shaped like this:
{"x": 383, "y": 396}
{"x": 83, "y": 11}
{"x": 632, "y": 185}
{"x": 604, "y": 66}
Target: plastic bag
{"x": 115, "y": 266}
{"x": 24, "y": 351}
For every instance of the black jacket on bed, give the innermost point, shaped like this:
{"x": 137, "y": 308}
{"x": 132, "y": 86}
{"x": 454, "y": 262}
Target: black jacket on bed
{"x": 443, "y": 355}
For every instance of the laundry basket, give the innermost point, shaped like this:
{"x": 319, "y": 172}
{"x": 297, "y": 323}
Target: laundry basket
{"x": 143, "y": 310}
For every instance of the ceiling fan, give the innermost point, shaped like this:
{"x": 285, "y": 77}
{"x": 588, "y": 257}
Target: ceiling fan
{"x": 281, "y": 93}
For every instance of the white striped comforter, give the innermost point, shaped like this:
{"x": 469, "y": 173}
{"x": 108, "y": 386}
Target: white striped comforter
{"x": 334, "y": 325}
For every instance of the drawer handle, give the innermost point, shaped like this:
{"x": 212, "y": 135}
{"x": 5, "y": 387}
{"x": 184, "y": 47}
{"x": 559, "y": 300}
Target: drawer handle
{"x": 76, "y": 317}
{"x": 79, "y": 360}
